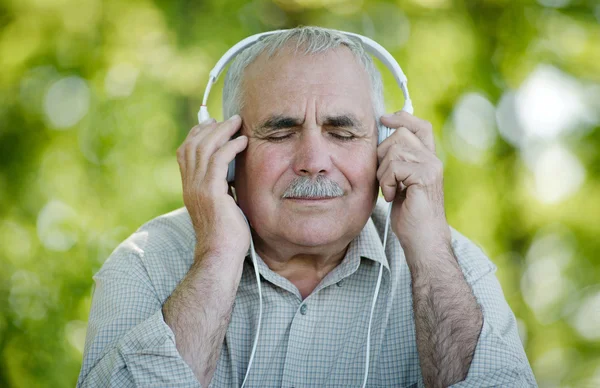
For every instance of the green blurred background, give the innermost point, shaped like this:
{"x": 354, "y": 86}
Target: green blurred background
{"x": 96, "y": 96}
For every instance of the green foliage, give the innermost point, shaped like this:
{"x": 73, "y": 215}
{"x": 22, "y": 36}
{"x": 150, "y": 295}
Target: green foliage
{"x": 96, "y": 96}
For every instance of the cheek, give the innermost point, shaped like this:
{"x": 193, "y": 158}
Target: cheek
{"x": 264, "y": 165}
{"x": 360, "y": 168}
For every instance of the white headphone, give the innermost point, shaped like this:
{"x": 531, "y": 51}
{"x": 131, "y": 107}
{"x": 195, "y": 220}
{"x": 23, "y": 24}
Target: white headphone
{"x": 370, "y": 46}
{"x": 388, "y": 60}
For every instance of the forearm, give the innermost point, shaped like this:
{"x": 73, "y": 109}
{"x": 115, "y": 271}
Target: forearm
{"x": 199, "y": 309}
{"x": 448, "y": 319}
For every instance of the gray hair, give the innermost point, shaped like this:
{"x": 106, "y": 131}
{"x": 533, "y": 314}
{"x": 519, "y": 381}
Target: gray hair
{"x": 311, "y": 40}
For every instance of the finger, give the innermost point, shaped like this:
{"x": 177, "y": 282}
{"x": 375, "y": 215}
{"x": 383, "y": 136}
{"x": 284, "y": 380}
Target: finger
{"x": 218, "y": 137}
{"x": 187, "y": 150}
{"x": 224, "y": 131}
{"x": 206, "y": 140}
{"x": 216, "y": 174}
{"x": 421, "y": 128}
{"x": 403, "y": 137}
{"x": 396, "y": 152}
{"x": 193, "y": 156}
{"x": 201, "y": 128}
{"x": 396, "y": 175}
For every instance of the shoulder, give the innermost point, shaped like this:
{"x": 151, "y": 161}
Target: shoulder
{"x": 172, "y": 231}
{"x": 167, "y": 232}
{"x": 160, "y": 251}
{"x": 471, "y": 257}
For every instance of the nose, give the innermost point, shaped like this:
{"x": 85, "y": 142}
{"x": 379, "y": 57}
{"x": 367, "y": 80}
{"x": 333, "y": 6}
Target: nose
{"x": 312, "y": 156}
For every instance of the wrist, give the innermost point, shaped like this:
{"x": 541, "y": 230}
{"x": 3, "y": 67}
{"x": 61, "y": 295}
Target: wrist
{"x": 428, "y": 247}
{"x": 222, "y": 262}
{"x": 426, "y": 236}
{"x": 219, "y": 247}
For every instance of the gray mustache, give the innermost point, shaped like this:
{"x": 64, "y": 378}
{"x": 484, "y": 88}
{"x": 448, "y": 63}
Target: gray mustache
{"x": 320, "y": 187}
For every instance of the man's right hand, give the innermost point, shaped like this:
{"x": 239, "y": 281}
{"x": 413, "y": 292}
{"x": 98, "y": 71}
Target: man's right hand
{"x": 203, "y": 160}
{"x": 199, "y": 309}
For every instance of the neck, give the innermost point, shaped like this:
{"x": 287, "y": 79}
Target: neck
{"x": 304, "y": 267}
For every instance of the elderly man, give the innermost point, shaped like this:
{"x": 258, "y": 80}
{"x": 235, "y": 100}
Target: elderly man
{"x": 176, "y": 303}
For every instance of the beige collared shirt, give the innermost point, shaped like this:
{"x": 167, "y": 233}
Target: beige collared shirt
{"x": 316, "y": 342}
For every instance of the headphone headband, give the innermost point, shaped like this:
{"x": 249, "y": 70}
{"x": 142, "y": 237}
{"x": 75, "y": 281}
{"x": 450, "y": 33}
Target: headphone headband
{"x": 370, "y": 46}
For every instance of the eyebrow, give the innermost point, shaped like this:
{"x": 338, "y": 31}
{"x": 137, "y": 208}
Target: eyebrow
{"x": 276, "y": 122}
{"x": 273, "y": 123}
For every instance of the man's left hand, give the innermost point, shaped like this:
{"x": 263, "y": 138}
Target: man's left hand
{"x": 411, "y": 175}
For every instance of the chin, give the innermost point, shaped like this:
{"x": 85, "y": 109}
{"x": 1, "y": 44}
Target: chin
{"x": 315, "y": 233}
{"x": 313, "y": 240}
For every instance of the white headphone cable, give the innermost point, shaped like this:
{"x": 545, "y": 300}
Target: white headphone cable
{"x": 260, "y": 305}
{"x": 385, "y": 234}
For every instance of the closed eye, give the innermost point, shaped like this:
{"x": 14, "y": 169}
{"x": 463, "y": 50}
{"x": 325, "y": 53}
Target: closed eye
{"x": 279, "y": 137}
{"x": 342, "y": 136}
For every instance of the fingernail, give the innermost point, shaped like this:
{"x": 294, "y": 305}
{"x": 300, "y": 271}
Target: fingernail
{"x": 234, "y": 117}
{"x": 387, "y": 116}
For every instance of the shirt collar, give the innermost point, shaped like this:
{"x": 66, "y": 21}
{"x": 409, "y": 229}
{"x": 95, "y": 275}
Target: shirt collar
{"x": 367, "y": 244}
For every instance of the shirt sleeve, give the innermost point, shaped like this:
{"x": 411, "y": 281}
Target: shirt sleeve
{"x": 499, "y": 359}
{"x": 128, "y": 343}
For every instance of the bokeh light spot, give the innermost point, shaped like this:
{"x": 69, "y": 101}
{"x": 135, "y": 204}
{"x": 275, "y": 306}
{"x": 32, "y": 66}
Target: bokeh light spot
{"x": 544, "y": 283}
{"x": 67, "y": 101}
{"x": 57, "y": 226}
{"x": 75, "y": 332}
{"x": 473, "y": 127}
{"x": 557, "y": 174}
{"x": 509, "y": 126}
{"x": 474, "y": 120}
{"x": 27, "y": 297}
{"x": 120, "y": 80}
{"x": 587, "y": 318}
{"x": 553, "y": 365}
{"x": 551, "y": 102}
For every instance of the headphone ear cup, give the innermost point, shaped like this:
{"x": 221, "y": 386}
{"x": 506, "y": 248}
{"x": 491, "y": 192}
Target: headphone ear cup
{"x": 384, "y": 133}
{"x": 231, "y": 171}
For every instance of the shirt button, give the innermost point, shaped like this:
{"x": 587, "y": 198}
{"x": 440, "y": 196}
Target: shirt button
{"x": 303, "y": 309}
{"x": 339, "y": 284}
